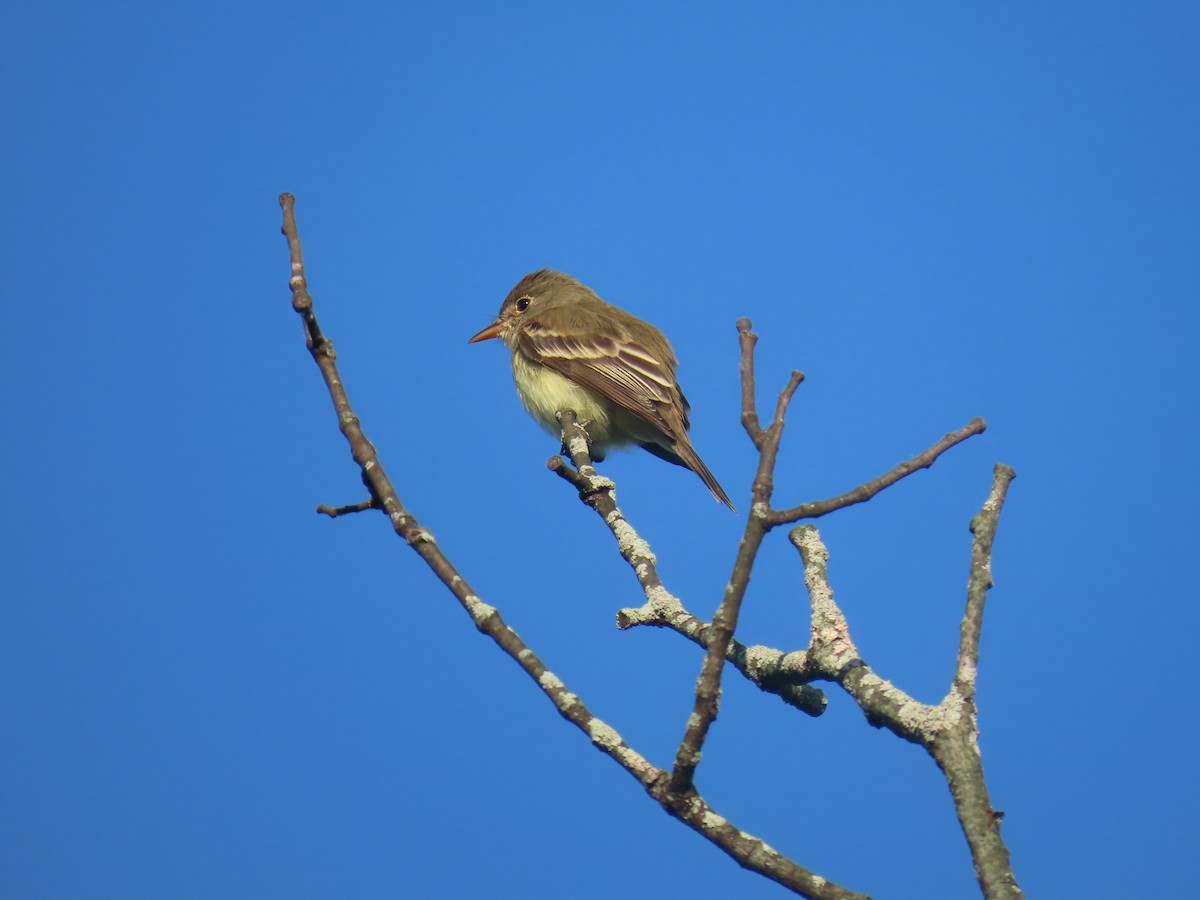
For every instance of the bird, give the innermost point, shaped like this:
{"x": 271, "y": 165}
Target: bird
{"x": 572, "y": 350}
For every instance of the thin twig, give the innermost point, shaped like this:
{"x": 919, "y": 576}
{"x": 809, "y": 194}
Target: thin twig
{"x": 334, "y": 511}
{"x": 747, "y": 339}
{"x": 764, "y": 480}
{"x": 866, "y": 491}
{"x": 708, "y": 684}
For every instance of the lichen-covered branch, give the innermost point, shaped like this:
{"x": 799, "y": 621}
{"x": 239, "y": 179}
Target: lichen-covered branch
{"x": 983, "y": 527}
{"x": 957, "y": 750}
{"x": 948, "y": 731}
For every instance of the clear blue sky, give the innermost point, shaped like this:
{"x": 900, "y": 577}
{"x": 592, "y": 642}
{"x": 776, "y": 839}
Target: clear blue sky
{"x": 935, "y": 211}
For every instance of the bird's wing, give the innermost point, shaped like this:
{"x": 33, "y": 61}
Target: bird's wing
{"x": 613, "y": 365}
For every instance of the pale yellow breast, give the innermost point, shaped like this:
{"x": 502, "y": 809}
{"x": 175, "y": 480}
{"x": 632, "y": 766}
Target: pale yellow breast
{"x": 544, "y": 392}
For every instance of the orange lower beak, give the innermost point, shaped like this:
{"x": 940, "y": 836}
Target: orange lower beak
{"x": 491, "y": 331}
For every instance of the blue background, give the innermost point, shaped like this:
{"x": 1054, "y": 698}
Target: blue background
{"x": 935, "y": 211}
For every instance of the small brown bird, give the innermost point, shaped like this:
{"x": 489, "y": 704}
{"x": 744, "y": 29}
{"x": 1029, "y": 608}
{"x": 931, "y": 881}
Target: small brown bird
{"x": 571, "y": 350}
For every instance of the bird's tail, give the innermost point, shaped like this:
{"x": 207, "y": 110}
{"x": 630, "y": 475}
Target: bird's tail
{"x": 682, "y": 453}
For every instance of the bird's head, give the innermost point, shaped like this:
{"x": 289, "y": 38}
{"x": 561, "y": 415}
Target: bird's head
{"x": 535, "y": 293}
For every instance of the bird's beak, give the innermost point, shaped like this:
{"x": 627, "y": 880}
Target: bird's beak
{"x": 491, "y": 331}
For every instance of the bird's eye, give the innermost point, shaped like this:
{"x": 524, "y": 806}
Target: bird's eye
{"x": 523, "y": 304}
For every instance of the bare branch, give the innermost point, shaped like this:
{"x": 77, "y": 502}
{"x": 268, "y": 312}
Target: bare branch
{"x": 335, "y": 511}
{"x": 708, "y": 685}
{"x": 865, "y": 492}
{"x": 764, "y": 480}
{"x": 983, "y": 527}
{"x": 748, "y": 339}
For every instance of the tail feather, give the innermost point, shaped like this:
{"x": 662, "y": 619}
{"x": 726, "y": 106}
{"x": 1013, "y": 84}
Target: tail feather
{"x": 682, "y": 453}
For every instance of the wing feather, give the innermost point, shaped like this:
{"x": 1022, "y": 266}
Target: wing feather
{"x": 613, "y": 365}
